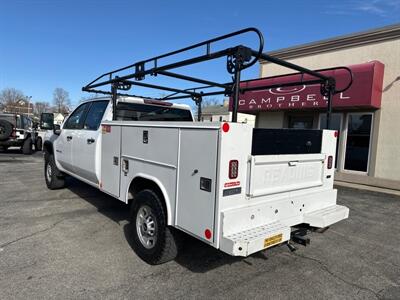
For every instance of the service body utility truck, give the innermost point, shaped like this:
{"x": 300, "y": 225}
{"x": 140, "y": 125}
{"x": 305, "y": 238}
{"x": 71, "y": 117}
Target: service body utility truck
{"x": 238, "y": 189}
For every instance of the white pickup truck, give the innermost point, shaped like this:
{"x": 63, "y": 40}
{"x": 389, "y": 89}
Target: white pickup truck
{"x": 238, "y": 189}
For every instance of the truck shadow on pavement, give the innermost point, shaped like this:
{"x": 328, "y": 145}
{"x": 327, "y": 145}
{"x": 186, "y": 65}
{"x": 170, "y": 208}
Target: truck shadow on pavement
{"x": 196, "y": 256}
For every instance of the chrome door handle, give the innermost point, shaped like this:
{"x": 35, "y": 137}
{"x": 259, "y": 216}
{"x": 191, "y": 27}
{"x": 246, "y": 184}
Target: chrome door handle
{"x": 69, "y": 138}
{"x": 90, "y": 141}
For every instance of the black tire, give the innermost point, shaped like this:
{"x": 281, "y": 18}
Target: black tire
{"x": 3, "y": 148}
{"x": 6, "y": 129}
{"x": 167, "y": 242}
{"x": 54, "y": 178}
{"x": 39, "y": 144}
{"x": 27, "y": 146}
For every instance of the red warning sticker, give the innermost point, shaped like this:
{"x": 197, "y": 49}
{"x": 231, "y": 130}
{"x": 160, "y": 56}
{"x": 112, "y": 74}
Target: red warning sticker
{"x": 232, "y": 183}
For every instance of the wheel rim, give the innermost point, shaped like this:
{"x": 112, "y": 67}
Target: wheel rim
{"x": 48, "y": 172}
{"x": 146, "y": 226}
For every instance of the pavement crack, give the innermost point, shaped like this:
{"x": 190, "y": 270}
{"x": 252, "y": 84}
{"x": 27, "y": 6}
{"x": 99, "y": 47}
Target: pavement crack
{"x": 326, "y": 269}
{"x": 32, "y": 234}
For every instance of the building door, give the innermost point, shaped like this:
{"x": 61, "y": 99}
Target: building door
{"x": 358, "y": 141}
{"x": 336, "y": 124}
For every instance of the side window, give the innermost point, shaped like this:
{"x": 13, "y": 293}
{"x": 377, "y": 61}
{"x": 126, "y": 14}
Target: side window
{"x": 75, "y": 120}
{"x": 95, "y": 114}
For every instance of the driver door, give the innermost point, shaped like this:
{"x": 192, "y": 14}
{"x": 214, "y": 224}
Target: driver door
{"x": 71, "y": 129}
{"x": 86, "y": 142}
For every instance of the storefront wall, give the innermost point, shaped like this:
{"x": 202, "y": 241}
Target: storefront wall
{"x": 384, "y": 150}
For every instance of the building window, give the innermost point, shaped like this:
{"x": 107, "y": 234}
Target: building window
{"x": 358, "y": 139}
{"x": 220, "y": 118}
{"x": 301, "y": 122}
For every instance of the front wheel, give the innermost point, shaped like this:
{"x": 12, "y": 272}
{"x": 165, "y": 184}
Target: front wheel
{"x": 38, "y": 145}
{"x": 54, "y": 178}
{"x": 153, "y": 240}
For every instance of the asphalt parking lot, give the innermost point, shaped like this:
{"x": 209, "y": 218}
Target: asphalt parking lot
{"x": 74, "y": 243}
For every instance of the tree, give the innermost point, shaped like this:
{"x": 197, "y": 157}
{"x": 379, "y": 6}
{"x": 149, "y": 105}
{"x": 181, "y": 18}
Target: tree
{"x": 41, "y": 107}
{"x": 208, "y": 101}
{"x": 211, "y": 102}
{"x": 61, "y": 101}
{"x": 10, "y": 97}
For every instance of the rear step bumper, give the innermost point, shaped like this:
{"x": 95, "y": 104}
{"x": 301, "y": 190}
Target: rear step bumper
{"x": 326, "y": 216}
{"x": 255, "y": 239}
{"x": 252, "y": 240}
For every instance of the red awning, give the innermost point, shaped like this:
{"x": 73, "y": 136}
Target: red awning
{"x": 365, "y": 92}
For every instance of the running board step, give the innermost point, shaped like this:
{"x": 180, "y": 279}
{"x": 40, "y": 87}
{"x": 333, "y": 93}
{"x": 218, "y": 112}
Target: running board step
{"x": 252, "y": 240}
{"x": 326, "y": 216}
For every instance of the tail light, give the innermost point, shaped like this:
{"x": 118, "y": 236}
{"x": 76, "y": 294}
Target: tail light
{"x": 233, "y": 169}
{"x": 330, "y": 161}
{"x": 14, "y": 133}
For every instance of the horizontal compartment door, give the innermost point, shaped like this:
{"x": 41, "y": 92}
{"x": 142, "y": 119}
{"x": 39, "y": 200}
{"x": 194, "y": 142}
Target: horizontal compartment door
{"x": 283, "y": 173}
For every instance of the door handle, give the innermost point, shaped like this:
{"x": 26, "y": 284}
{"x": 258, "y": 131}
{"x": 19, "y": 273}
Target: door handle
{"x": 90, "y": 141}
{"x": 69, "y": 138}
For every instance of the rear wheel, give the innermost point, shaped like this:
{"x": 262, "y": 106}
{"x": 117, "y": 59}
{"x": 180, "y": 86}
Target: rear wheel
{"x": 27, "y": 146}
{"x": 54, "y": 178}
{"x": 153, "y": 240}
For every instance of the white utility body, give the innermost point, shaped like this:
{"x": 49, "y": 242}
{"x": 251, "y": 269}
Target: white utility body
{"x": 215, "y": 185}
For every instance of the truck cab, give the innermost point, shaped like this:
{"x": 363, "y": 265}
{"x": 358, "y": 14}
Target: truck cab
{"x": 76, "y": 145}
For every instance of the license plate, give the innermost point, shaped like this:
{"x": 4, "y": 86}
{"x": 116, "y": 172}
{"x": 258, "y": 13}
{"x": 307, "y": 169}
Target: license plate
{"x": 275, "y": 239}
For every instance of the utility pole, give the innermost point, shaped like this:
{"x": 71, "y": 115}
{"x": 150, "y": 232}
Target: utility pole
{"x": 28, "y": 98}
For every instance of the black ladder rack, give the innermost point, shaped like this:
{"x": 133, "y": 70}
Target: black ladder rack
{"x": 238, "y": 58}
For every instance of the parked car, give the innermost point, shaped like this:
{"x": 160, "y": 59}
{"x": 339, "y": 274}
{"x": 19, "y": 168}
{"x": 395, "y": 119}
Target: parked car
{"x": 17, "y": 130}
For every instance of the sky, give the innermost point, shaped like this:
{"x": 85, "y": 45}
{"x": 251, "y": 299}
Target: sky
{"x": 47, "y": 44}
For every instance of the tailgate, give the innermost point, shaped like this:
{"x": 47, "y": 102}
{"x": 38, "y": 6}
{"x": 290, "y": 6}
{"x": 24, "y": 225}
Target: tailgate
{"x": 271, "y": 174}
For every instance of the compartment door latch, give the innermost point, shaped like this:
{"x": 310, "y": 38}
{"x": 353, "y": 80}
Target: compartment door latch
{"x": 125, "y": 166}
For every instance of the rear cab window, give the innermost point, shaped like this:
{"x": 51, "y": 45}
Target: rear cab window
{"x": 145, "y": 112}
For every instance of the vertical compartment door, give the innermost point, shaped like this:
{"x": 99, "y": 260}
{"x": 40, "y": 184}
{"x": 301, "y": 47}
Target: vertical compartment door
{"x": 110, "y": 159}
{"x": 197, "y": 176}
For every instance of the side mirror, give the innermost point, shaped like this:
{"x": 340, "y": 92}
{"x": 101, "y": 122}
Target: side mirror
{"x": 56, "y": 129}
{"x": 47, "y": 121}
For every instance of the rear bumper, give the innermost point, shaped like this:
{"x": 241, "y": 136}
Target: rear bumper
{"x": 251, "y": 229}
{"x": 326, "y": 216}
